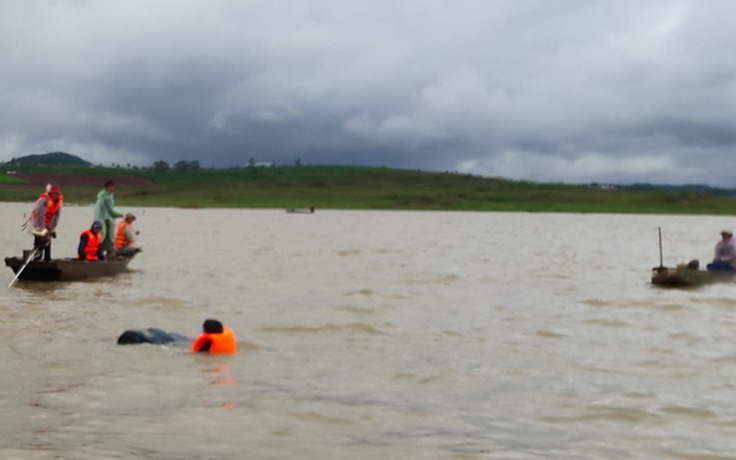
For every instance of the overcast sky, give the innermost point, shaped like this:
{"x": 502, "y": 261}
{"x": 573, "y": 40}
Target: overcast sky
{"x": 545, "y": 90}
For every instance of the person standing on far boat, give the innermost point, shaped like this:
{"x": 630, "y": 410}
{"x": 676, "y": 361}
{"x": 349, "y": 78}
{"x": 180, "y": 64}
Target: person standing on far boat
{"x": 106, "y": 214}
{"x": 44, "y": 219}
{"x": 725, "y": 253}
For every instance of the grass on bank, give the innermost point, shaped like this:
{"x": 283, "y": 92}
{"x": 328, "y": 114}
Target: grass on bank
{"x": 344, "y": 187}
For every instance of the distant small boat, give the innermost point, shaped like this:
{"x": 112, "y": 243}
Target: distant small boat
{"x": 301, "y": 210}
{"x": 689, "y": 275}
{"x": 68, "y": 269}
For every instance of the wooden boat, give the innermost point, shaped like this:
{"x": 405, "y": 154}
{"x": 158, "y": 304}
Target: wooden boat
{"x": 689, "y": 275}
{"x": 68, "y": 269}
{"x": 301, "y": 210}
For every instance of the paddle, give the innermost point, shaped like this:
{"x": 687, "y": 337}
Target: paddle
{"x": 28, "y": 260}
{"x": 659, "y": 229}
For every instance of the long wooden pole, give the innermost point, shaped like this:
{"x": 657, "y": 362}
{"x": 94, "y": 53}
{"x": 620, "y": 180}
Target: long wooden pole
{"x": 17, "y": 275}
{"x": 659, "y": 229}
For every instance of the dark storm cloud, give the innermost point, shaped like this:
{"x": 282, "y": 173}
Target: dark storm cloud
{"x": 566, "y": 90}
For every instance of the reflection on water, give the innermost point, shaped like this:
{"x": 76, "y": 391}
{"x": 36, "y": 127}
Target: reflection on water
{"x": 375, "y": 335}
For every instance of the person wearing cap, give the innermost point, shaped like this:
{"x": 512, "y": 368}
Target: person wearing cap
{"x": 725, "y": 253}
{"x": 90, "y": 244}
{"x": 215, "y": 338}
{"x": 126, "y": 235}
{"x": 105, "y": 213}
{"x": 44, "y": 219}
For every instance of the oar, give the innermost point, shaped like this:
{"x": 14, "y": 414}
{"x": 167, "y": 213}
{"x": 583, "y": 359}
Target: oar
{"x": 28, "y": 260}
{"x": 659, "y": 229}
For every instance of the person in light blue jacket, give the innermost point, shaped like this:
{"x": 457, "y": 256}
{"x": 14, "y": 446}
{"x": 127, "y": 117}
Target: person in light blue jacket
{"x": 105, "y": 212}
{"x": 725, "y": 253}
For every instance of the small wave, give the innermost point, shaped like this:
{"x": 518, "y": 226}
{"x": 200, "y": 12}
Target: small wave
{"x": 723, "y": 303}
{"x": 247, "y": 346}
{"x": 447, "y": 279}
{"x": 362, "y": 292}
{"x": 731, "y": 359}
{"x": 605, "y": 414}
{"x": 421, "y": 379}
{"x": 691, "y": 412}
{"x": 366, "y": 328}
{"x": 671, "y": 307}
{"x": 324, "y": 419}
{"x": 358, "y": 310}
{"x": 607, "y": 322}
{"x": 302, "y": 329}
{"x": 453, "y": 334}
{"x": 387, "y": 251}
{"x": 544, "y": 333}
{"x": 167, "y": 302}
{"x": 597, "y": 303}
{"x": 433, "y": 280}
{"x": 687, "y": 337}
{"x": 639, "y": 395}
{"x": 701, "y": 456}
{"x": 329, "y": 328}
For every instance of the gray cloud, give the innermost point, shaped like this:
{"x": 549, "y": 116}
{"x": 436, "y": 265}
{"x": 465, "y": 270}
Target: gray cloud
{"x": 570, "y": 90}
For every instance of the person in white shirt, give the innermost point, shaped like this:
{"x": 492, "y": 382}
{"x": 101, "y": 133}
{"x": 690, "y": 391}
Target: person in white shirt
{"x": 725, "y": 252}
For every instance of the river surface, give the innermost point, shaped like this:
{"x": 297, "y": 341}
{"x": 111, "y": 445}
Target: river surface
{"x": 371, "y": 334}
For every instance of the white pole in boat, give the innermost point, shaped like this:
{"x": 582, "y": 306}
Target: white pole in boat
{"x": 28, "y": 260}
{"x": 659, "y": 229}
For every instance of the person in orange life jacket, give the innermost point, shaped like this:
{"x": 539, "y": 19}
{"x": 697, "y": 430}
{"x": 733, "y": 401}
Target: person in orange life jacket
{"x": 90, "y": 247}
{"x": 126, "y": 235}
{"x": 215, "y": 338}
{"x": 44, "y": 219}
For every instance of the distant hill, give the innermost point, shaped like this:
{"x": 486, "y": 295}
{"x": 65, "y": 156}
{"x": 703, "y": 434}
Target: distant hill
{"x": 50, "y": 159}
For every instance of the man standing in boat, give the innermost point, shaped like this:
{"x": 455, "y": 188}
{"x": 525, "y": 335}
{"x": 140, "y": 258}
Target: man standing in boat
{"x": 725, "y": 253}
{"x": 106, "y": 214}
{"x": 44, "y": 219}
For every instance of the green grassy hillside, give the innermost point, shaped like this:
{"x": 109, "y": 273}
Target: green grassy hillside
{"x": 50, "y": 159}
{"x": 342, "y": 187}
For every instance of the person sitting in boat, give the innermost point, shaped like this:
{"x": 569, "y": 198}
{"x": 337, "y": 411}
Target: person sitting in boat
{"x": 725, "y": 253}
{"x": 90, "y": 247}
{"x": 126, "y": 236}
{"x": 215, "y": 338}
{"x": 44, "y": 219}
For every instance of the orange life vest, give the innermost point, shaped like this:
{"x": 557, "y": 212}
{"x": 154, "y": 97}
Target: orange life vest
{"x": 93, "y": 245}
{"x": 52, "y": 207}
{"x": 220, "y": 343}
{"x": 120, "y": 240}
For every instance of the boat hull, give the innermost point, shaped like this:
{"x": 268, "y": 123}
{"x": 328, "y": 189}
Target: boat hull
{"x": 684, "y": 276}
{"x": 300, "y": 210}
{"x": 67, "y": 269}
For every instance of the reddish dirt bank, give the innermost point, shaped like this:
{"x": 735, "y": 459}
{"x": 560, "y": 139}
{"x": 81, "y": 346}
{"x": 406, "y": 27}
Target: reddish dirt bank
{"x": 80, "y": 179}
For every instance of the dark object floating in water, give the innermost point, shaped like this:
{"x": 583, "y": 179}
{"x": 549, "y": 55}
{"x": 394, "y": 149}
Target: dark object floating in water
{"x": 151, "y": 335}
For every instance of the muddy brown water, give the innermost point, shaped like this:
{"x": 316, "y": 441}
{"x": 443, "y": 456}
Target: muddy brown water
{"x": 369, "y": 334}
